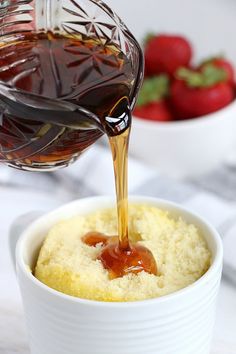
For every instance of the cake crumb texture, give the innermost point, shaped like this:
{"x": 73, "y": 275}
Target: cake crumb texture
{"x": 68, "y": 265}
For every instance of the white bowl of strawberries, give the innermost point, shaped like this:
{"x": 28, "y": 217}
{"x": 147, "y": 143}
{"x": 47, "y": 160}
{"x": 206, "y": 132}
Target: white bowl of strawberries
{"x": 184, "y": 123}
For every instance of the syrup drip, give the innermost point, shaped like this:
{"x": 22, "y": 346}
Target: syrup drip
{"x": 118, "y": 256}
{"x": 120, "y": 262}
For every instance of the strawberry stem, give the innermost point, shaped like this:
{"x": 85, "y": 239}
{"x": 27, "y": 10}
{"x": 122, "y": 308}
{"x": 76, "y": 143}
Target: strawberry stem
{"x": 153, "y": 89}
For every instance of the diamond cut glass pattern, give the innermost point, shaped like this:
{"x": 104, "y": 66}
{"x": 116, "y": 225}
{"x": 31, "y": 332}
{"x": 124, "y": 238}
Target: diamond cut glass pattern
{"x": 84, "y": 75}
{"x": 94, "y": 19}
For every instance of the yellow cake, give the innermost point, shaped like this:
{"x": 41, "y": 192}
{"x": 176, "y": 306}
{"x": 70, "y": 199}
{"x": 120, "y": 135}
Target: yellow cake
{"x": 68, "y": 265}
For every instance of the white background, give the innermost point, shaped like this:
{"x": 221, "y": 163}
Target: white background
{"x": 209, "y": 24}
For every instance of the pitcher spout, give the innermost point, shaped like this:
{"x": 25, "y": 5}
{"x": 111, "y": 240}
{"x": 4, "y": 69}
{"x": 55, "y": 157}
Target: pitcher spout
{"x": 119, "y": 118}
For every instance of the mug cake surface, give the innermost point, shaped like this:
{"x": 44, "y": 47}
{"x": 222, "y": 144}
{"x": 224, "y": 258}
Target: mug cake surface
{"x": 67, "y": 264}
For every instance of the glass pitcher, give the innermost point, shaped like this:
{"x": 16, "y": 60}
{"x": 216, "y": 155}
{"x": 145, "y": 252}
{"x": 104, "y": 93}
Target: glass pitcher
{"x": 70, "y": 71}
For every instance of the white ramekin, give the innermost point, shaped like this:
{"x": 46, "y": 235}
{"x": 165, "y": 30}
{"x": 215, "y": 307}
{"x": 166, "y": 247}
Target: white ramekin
{"x": 180, "y": 323}
{"x": 186, "y": 148}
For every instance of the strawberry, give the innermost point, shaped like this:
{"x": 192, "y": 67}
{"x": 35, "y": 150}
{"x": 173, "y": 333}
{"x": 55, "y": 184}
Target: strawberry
{"x": 196, "y": 94}
{"x": 166, "y": 53}
{"x": 151, "y": 102}
{"x": 224, "y": 64}
{"x": 158, "y": 111}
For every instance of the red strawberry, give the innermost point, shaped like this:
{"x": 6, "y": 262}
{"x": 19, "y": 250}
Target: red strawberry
{"x": 223, "y": 64}
{"x": 200, "y": 93}
{"x": 154, "y": 111}
{"x": 151, "y": 102}
{"x": 166, "y": 53}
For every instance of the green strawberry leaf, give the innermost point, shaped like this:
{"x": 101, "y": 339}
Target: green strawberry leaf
{"x": 153, "y": 89}
{"x": 213, "y": 75}
{"x": 192, "y": 78}
{"x": 209, "y": 76}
